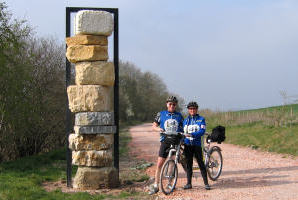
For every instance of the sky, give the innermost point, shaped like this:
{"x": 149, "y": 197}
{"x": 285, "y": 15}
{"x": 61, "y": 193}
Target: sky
{"x": 226, "y": 55}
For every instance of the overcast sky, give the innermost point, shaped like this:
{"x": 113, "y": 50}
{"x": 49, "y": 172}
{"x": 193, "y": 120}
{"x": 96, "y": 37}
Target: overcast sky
{"x": 231, "y": 54}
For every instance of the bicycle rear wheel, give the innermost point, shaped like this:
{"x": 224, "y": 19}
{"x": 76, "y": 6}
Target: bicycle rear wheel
{"x": 214, "y": 164}
{"x": 168, "y": 177}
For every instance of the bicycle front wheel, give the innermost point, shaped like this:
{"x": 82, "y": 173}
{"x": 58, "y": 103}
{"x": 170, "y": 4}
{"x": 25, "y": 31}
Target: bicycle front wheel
{"x": 168, "y": 177}
{"x": 214, "y": 164}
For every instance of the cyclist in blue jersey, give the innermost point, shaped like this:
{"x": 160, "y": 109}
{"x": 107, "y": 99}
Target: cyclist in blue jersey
{"x": 194, "y": 128}
{"x": 168, "y": 121}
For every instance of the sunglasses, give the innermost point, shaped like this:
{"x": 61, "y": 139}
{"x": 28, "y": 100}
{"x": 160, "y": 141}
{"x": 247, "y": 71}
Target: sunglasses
{"x": 192, "y": 108}
{"x": 172, "y": 104}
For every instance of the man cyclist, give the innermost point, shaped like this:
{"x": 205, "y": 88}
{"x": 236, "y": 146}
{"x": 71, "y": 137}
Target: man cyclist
{"x": 194, "y": 128}
{"x": 165, "y": 121}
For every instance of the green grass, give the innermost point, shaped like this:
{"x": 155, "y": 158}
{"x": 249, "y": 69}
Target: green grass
{"x": 294, "y": 108}
{"x": 135, "y": 173}
{"x": 22, "y": 179}
{"x": 274, "y": 139}
{"x": 273, "y": 129}
{"x": 123, "y": 142}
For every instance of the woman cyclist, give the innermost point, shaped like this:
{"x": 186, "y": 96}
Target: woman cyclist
{"x": 194, "y": 127}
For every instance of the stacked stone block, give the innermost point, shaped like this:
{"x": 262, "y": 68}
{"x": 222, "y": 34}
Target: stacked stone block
{"x": 91, "y": 99}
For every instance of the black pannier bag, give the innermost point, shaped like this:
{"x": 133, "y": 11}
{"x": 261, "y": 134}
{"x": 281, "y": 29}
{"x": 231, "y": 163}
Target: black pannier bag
{"x": 218, "y": 134}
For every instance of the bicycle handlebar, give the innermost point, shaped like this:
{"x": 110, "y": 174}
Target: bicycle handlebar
{"x": 184, "y": 135}
{"x": 172, "y": 133}
{"x": 208, "y": 140}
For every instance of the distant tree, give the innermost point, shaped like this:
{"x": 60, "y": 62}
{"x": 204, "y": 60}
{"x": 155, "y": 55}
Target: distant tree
{"x": 284, "y": 95}
{"x": 142, "y": 94}
{"x": 288, "y": 99}
{"x": 14, "y": 81}
{"x": 32, "y": 90}
{"x": 33, "y": 97}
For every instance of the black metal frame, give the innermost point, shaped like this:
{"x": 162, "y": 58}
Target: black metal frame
{"x": 114, "y": 11}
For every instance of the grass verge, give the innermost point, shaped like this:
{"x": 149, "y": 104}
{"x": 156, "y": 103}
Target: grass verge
{"x": 257, "y": 136}
{"x": 132, "y": 170}
{"x": 23, "y": 178}
{"x": 273, "y": 129}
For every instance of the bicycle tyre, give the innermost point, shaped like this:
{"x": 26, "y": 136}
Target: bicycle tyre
{"x": 214, "y": 161}
{"x": 168, "y": 178}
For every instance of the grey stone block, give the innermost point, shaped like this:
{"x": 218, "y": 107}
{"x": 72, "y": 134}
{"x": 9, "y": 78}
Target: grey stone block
{"x": 94, "y": 118}
{"x": 91, "y": 22}
{"x": 94, "y": 129}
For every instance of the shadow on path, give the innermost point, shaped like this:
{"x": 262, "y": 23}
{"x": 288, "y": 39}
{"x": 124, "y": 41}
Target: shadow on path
{"x": 249, "y": 182}
{"x": 260, "y": 170}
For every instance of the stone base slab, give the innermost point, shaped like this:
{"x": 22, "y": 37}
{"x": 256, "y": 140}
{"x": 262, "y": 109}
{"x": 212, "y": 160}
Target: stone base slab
{"x": 88, "y": 178}
{"x": 94, "y": 22}
{"x": 103, "y": 158}
{"x": 94, "y": 118}
{"x": 79, "y": 53}
{"x": 95, "y": 73}
{"x": 94, "y": 129}
{"x": 91, "y": 142}
{"x": 94, "y": 98}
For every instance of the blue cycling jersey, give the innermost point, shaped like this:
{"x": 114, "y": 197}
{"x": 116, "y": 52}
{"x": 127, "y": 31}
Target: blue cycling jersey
{"x": 196, "y": 127}
{"x": 170, "y": 122}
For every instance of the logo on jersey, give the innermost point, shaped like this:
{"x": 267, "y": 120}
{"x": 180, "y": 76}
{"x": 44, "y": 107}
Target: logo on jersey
{"x": 191, "y": 128}
{"x": 171, "y": 125}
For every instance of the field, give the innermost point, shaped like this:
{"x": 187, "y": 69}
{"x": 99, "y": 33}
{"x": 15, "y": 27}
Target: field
{"x": 273, "y": 129}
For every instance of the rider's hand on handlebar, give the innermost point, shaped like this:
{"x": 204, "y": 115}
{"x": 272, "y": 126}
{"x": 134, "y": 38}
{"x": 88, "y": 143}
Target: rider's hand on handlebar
{"x": 187, "y": 135}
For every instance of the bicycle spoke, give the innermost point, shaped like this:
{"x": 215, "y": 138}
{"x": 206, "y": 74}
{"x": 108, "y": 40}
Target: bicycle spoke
{"x": 214, "y": 164}
{"x": 168, "y": 176}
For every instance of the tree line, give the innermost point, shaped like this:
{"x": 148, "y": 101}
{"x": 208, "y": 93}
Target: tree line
{"x": 32, "y": 90}
{"x": 142, "y": 94}
{"x": 33, "y": 94}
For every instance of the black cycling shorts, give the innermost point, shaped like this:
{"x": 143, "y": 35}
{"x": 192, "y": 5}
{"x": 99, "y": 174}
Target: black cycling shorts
{"x": 164, "y": 150}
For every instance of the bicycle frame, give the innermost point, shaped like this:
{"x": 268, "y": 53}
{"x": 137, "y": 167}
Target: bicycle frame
{"x": 169, "y": 171}
{"x": 175, "y": 150}
{"x": 205, "y": 148}
{"x": 208, "y": 150}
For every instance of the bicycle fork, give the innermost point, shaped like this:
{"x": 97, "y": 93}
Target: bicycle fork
{"x": 173, "y": 152}
{"x": 206, "y": 155}
{"x": 176, "y": 153}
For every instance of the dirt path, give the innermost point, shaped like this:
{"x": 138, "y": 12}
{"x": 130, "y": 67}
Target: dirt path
{"x": 247, "y": 173}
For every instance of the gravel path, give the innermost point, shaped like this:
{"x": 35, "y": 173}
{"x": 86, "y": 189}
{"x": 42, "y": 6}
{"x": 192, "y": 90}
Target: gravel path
{"x": 247, "y": 173}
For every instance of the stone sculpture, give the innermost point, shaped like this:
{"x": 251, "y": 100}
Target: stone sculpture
{"x": 91, "y": 99}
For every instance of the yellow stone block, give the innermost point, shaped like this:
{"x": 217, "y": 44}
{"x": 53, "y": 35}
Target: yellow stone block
{"x": 103, "y": 158}
{"x": 95, "y": 73}
{"x": 87, "y": 40}
{"x": 94, "y": 98}
{"x": 91, "y": 142}
{"x": 79, "y": 53}
{"x": 91, "y": 178}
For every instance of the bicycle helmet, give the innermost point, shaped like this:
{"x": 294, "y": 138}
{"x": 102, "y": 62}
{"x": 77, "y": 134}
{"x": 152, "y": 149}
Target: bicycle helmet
{"x": 172, "y": 99}
{"x": 192, "y": 104}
